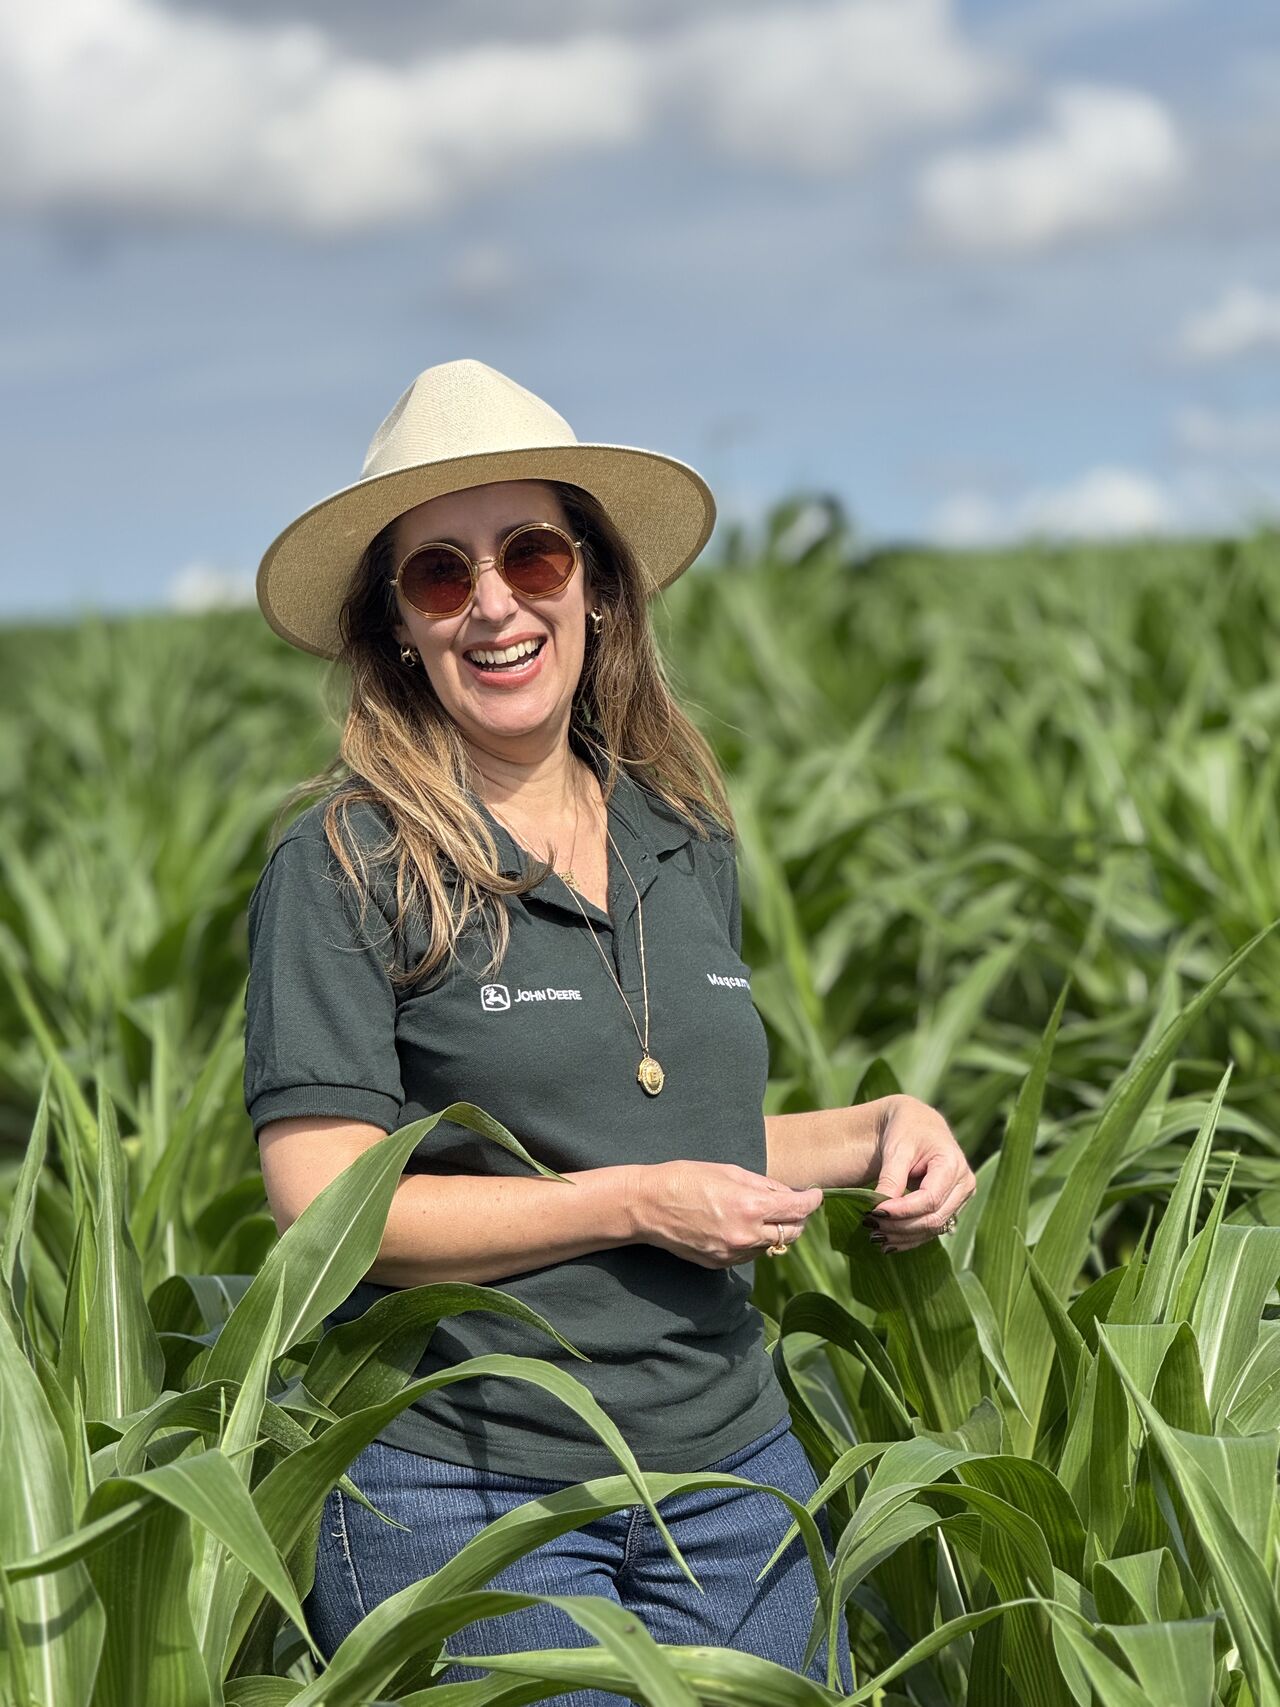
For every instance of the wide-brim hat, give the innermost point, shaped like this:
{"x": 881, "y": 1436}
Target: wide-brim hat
{"x": 462, "y": 423}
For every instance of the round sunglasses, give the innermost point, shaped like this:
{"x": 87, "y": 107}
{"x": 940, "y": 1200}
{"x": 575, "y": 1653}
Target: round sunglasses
{"x": 536, "y": 559}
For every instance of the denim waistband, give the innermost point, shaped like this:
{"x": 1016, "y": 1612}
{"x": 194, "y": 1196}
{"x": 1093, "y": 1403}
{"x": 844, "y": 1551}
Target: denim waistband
{"x": 733, "y": 1459}
{"x": 476, "y": 1476}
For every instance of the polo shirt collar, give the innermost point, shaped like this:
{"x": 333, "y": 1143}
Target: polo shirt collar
{"x": 642, "y": 826}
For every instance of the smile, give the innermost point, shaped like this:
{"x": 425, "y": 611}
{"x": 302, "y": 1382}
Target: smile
{"x": 506, "y": 666}
{"x": 505, "y": 657}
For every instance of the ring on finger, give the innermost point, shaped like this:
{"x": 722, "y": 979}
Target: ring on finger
{"x": 782, "y": 1245}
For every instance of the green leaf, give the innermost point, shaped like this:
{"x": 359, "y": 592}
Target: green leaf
{"x": 1178, "y": 1392}
{"x": 206, "y": 1488}
{"x": 360, "y": 1362}
{"x": 59, "y": 1615}
{"x": 1142, "y": 1588}
{"x": 1255, "y": 1403}
{"x": 14, "y": 1256}
{"x": 140, "y": 1573}
{"x": 160, "y": 1200}
{"x": 1110, "y": 1457}
{"x": 293, "y": 1491}
{"x": 1074, "y": 1358}
{"x": 1061, "y": 1249}
{"x": 123, "y": 1362}
{"x": 931, "y": 1331}
{"x": 940, "y": 1028}
{"x": 1194, "y": 1262}
{"x": 86, "y": 1130}
{"x": 988, "y": 1331}
{"x": 1178, "y": 1224}
{"x": 878, "y": 1080}
{"x": 1173, "y": 1662}
{"x": 268, "y": 1692}
{"x": 218, "y": 1582}
{"x": 842, "y": 1471}
{"x": 517, "y": 1531}
{"x": 1033, "y": 1488}
{"x": 1002, "y": 1209}
{"x": 645, "y": 1668}
{"x": 330, "y": 1247}
{"x": 1243, "y": 1584}
{"x": 815, "y": 1313}
{"x": 1239, "y": 1278}
{"x": 1110, "y": 1682}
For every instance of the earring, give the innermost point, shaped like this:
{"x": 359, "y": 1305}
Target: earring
{"x": 408, "y": 656}
{"x": 597, "y": 620}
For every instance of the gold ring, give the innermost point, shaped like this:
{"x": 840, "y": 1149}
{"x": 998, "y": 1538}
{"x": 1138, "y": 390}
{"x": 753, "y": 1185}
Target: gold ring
{"x": 780, "y": 1248}
{"x": 949, "y": 1225}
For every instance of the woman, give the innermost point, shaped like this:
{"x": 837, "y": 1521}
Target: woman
{"x": 547, "y": 842}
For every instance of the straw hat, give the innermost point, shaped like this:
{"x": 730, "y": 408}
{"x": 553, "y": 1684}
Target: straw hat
{"x": 463, "y": 423}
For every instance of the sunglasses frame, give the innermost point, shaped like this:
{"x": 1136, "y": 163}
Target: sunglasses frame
{"x": 473, "y": 567}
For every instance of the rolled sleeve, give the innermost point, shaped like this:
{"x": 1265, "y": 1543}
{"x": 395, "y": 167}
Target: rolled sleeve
{"x": 320, "y": 1008}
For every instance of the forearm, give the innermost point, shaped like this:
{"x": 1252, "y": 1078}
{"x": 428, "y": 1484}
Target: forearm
{"x": 826, "y": 1146}
{"x": 481, "y": 1228}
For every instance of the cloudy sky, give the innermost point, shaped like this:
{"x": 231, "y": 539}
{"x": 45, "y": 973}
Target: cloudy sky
{"x": 980, "y": 267}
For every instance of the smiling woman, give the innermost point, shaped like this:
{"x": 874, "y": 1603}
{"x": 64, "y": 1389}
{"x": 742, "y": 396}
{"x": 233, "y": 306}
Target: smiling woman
{"x": 508, "y": 655}
{"x": 543, "y": 838}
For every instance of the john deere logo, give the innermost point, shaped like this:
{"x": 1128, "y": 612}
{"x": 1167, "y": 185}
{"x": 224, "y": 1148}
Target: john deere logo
{"x": 494, "y": 996}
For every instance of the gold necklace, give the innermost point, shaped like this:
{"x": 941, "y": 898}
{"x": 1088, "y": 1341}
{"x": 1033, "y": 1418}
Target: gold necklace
{"x": 649, "y": 1074}
{"x": 567, "y": 877}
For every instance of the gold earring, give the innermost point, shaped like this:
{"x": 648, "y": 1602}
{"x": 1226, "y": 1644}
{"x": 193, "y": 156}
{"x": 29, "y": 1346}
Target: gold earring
{"x": 597, "y": 620}
{"x": 408, "y": 656}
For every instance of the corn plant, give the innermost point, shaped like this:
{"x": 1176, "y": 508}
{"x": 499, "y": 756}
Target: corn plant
{"x": 159, "y": 1537}
{"x": 1010, "y": 836}
{"x": 1031, "y": 1501}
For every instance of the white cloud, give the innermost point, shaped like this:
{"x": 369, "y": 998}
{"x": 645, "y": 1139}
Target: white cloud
{"x": 1243, "y": 319}
{"x": 1105, "y": 159}
{"x": 817, "y": 91}
{"x": 124, "y": 104}
{"x": 201, "y": 586}
{"x": 131, "y": 107}
{"x": 1250, "y": 435}
{"x": 1104, "y": 502}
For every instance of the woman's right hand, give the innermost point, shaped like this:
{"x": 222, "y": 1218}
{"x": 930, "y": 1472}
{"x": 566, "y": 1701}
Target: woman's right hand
{"x": 717, "y": 1214}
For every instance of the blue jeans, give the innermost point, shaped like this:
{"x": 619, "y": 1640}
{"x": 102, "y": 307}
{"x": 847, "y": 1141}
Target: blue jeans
{"x": 726, "y": 1534}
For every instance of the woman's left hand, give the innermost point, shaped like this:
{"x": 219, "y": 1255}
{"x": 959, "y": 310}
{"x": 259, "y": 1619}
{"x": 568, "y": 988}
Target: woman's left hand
{"x": 917, "y": 1150}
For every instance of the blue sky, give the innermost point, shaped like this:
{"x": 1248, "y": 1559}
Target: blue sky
{"x": 979, "y": 268}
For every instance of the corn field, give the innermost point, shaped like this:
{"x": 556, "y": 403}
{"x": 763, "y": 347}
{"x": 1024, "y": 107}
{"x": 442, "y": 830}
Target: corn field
{"x": 1009, "y": 840}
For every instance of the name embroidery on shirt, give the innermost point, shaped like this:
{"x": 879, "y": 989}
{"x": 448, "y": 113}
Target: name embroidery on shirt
{"x": 496, "y": 998}
{"x": 728, "y": 983}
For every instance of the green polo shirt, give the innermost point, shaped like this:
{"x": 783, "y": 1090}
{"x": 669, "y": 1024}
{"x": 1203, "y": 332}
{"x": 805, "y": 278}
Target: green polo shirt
{"x": 546, "y": 1046}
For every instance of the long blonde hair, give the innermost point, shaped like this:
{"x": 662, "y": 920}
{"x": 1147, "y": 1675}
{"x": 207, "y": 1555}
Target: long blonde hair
{"x": 402, "y": 751}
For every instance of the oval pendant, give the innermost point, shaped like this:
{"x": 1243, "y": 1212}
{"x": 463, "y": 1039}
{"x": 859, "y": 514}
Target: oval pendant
{"x": 650, "y": 1075}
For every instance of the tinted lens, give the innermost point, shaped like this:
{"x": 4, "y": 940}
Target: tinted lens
{"x": 435, "y": 581}
{"x": 538, "y": 561}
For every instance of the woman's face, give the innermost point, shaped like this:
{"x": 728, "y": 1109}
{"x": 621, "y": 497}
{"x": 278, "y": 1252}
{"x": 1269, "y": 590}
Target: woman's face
{"x": 520, "y": 711}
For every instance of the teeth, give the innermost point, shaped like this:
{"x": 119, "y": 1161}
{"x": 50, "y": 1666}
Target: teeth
{"x": 508, "y": 655}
